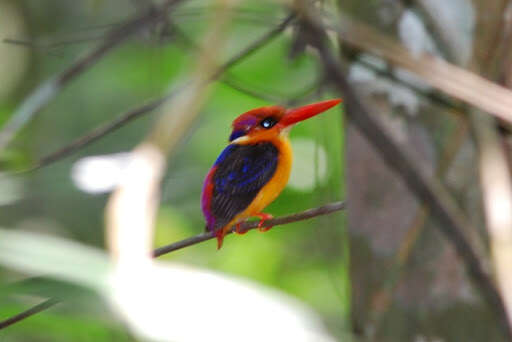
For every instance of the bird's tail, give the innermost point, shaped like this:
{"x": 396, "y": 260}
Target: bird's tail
{"x": 219, "y": 234}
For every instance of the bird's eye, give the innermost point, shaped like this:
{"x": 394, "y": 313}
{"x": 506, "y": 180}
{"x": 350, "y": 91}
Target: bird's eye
{"x": 268, "y": 122}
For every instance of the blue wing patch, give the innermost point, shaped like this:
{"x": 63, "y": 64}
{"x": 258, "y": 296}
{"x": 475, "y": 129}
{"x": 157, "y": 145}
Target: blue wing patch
{"x": 242, "y": 170}
{"x": 226, "y": 152}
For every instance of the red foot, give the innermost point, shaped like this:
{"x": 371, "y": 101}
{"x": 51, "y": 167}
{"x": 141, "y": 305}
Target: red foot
{"x": 264, "y": 217}
{"x": 239, "y": 230}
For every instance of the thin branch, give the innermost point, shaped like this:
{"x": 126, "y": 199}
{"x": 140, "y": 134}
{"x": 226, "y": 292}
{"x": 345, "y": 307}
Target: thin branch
{"x": 283, "y": 220}
{"x": 99, "y": 132}
{"x": 452, "y": 221}
{"x": 30, "y": 312}
{"x": 258, "y": 44}
{"x": 138, "y": 112}
{"x": 42, "y": 95}
{"x": 33, "y": 45}
{"x": 305, "y": 215}
{"x": 241, "y": 85}
{"x": 248, "y": 16}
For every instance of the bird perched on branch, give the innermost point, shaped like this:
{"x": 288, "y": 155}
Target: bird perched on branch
{"x": 254, "y": 168}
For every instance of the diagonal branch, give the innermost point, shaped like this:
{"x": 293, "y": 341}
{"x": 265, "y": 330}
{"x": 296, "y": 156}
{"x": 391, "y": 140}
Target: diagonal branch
{"x": 42, "y": 95}
{"x": 138, "y": 112}
{"x": 305, "y": 215}
{"x": 301, "y": 216}
{"x": 27, "y": 313}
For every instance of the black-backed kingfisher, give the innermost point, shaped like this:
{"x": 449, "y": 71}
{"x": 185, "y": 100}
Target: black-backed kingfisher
{"x": 254, "y": 168}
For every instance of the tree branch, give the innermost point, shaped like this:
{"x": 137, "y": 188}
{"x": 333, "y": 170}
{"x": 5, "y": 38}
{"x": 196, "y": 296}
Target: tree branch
{"x": 42, "y": 95}
{"x": 138, "y": 112}
{"x": 27, "y": 313}
{"x": 241, "y": 86}
{"x": 304, "y": 215}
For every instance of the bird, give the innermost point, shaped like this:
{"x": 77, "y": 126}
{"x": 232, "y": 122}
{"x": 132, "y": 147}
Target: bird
{"x": 254, "y": 168}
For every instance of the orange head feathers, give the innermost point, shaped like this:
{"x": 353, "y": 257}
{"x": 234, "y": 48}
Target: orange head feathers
{"x": 266, "y": 123}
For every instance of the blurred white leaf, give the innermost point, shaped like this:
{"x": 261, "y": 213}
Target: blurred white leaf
{"x": 12, "y": 189}
{"x": 168, "y": 302}
{"x": 41, "y": 254}
{"x": 177, "y": 303}
{"x": 99, "y": 174}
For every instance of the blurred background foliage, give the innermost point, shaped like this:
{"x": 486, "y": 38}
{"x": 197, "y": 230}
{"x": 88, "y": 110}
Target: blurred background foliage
{"x": 307, "y": 260}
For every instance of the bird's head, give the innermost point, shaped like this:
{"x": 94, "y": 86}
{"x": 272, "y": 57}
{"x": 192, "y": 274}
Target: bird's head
{"x": 266, "y": 123}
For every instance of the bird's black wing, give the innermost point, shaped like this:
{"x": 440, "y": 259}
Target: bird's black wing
{"x": 241, "y": 172}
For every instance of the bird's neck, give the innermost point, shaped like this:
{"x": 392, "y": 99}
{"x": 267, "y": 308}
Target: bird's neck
{"x": 281, "y": 142}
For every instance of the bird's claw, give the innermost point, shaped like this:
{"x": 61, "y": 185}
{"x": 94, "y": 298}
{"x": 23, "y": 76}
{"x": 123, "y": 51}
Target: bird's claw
{"x": 264, "y": 217}
{"x": 239, "y": 230}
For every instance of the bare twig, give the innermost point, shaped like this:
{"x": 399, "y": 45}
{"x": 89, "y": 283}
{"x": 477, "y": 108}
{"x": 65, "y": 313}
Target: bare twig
{"x": 283, "y": 220}
{"x": 226, "y": 78}
{"x": 34, "y": 45}
{"x": 42, "y": 95}
{"x": 98, "y": 132}
{"x": 138, "y": 112}
{"x": 452, "y": 220}
{"x": 27, "y": 313}
{"x": 305, "y": 215}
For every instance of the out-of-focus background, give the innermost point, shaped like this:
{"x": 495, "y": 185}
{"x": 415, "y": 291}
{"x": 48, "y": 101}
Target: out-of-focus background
{"x": 378, "y": 271}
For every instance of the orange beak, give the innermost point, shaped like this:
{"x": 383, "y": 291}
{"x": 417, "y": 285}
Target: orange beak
{"x": 292, "y": 116}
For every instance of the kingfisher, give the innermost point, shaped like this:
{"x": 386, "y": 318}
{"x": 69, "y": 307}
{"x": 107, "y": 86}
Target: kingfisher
{"x": 254, "y": 168}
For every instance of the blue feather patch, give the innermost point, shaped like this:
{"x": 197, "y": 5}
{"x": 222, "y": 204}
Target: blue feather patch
{"x": 224, "y": 154}
{"x": 236, "y": 134}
